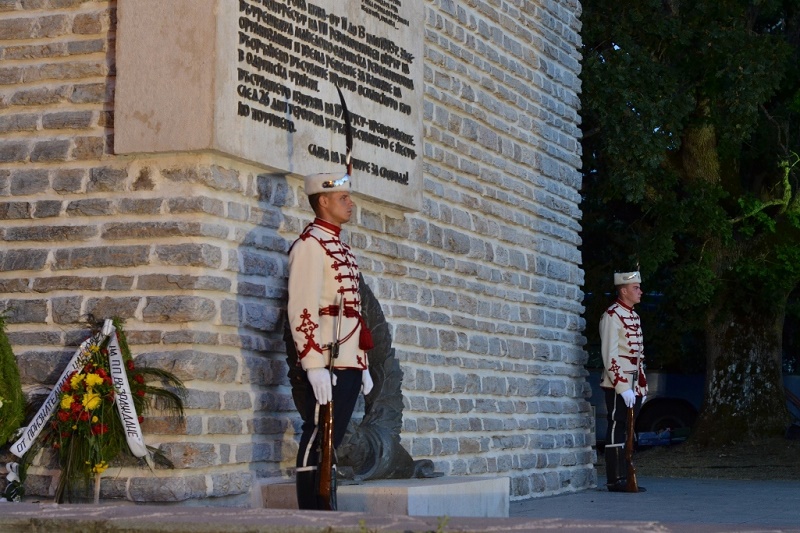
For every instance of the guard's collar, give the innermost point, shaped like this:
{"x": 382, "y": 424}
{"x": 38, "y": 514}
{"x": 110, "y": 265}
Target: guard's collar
{"x": 328, "y": 226}
{"x": 623, "y": 305}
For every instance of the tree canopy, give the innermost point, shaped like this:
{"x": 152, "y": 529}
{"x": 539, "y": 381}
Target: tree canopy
{"x": 691, "y": 133}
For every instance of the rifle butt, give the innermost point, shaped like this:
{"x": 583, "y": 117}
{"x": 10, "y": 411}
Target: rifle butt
{"x": 326, "y": 488}
{"x": 632, "y": 485}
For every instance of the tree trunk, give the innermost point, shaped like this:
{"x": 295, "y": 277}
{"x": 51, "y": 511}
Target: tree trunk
{"x": 744, "y": 394}
{"x": 699, "y": 157}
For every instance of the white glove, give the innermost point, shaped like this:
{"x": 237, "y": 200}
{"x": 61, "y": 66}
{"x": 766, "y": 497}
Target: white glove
{"x": 629, "y": 398}
{"x": 320, "y": 379}
{"x": 366, "y": 381}
{"x": 644, "y": 399}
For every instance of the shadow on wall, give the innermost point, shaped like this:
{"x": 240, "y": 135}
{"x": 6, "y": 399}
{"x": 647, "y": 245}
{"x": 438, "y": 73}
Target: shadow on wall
{"x": 259, "y": 313}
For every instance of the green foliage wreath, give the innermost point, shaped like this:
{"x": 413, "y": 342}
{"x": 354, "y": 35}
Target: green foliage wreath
{"x": 12, "y": 401}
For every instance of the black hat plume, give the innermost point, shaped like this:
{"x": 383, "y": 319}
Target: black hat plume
{"x": 348, "y": 132}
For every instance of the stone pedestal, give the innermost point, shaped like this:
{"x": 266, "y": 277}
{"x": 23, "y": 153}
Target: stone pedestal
{"x": 444, "y": 496}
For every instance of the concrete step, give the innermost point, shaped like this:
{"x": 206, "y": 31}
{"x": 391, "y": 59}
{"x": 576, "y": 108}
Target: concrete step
{"x": 442, "y": 496}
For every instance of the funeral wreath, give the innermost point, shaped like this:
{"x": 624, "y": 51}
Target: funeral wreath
{"x": 95, "y": 411}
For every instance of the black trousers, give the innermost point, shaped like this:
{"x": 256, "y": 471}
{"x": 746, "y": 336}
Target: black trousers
{"x": 345, "y": 395}
{"x": 617, "y": 417}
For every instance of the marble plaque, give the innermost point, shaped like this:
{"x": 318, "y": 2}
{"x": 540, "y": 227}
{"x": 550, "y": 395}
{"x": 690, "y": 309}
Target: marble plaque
{"x": 256, "y": 79}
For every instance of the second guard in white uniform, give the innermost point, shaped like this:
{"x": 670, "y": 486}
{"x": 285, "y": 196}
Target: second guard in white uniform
{"x": 624, "y": 381}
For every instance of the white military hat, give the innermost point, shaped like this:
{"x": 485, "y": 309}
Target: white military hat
{"x": 328, "y": 182}
{"x": 624, "y": 278}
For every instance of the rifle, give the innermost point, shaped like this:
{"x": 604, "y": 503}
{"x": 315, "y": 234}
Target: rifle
{"x": 326, "y": 486}
{"x": 632, "y": 485}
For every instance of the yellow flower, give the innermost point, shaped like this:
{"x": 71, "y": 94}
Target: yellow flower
{"x": 66, "y": 401}
{"x": 91, "y": 400}
{"x": 100, "y": 467}
{"x": 93, "y": 379}
{"x": 94, "y": 420}
{"x": 75, "y": 382}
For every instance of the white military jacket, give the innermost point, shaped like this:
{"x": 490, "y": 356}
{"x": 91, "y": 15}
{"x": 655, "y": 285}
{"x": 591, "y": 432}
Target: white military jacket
{"x": 623, "y": 349}
{"x": 322, "y": 267}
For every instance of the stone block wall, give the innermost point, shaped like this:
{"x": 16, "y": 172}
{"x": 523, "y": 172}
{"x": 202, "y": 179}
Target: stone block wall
{"x": 481, "y": 287}
{"x": 494, "y": 359}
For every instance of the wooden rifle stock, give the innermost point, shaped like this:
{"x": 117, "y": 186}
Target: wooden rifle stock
{"x": 632, "y": 485}
{"x": 326, "y": 469}
{"x": 326, "y": 489}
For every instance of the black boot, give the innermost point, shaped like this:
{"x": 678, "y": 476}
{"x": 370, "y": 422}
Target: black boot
{"x": 306, "y": 485}
{"x": 616, "y": 472}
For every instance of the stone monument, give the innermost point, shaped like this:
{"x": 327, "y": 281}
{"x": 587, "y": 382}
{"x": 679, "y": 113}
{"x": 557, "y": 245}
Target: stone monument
{"x": 143, "y": 178}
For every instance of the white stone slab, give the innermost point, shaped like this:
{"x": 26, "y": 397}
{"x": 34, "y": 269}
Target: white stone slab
{"x": 444, "y": 496}
{"x": 256, "y": 79}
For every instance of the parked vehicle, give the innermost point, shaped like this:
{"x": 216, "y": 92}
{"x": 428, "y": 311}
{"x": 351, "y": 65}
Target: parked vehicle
{"x": 675, "y": 374}
{"x": 673, "y": 402}
{"x": 792, "y": 384}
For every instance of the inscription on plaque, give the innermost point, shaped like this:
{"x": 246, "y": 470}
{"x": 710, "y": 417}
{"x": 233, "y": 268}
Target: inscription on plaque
{"x": 260, "y": 80}
{"x": 291, "y": 51}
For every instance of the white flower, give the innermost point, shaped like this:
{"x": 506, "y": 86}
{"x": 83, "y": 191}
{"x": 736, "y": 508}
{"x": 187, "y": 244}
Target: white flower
{"x": 1, "y": 402}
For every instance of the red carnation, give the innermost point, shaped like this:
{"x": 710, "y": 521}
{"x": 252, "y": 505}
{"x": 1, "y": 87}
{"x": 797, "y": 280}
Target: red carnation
{"x": 138, "y": 378}
{"x": 101, "y": 372}
{"x": 84, "y": 416}
{"x": 63, "y": 415}
{"x": 65, "y": 434}
{"x": 107, "y": 379}
{"x": 104, "y": 351}
{"x": 141, "y": 419}
{"x": 76, "y": 405}
{"x": 129, "y": 363}
{"x": 140, "y": 393}
{"x": 99, "y": 429}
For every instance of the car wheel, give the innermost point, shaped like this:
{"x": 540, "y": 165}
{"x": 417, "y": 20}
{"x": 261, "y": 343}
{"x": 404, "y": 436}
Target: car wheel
{"x": 665, "y": 414}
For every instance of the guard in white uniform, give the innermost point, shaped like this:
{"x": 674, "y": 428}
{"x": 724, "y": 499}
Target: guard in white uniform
{"x": 322, "y": 273}
{"x": 624, "y": 381}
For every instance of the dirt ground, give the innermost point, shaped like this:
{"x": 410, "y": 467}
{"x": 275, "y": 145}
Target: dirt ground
{"x": 768, "y": 458}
